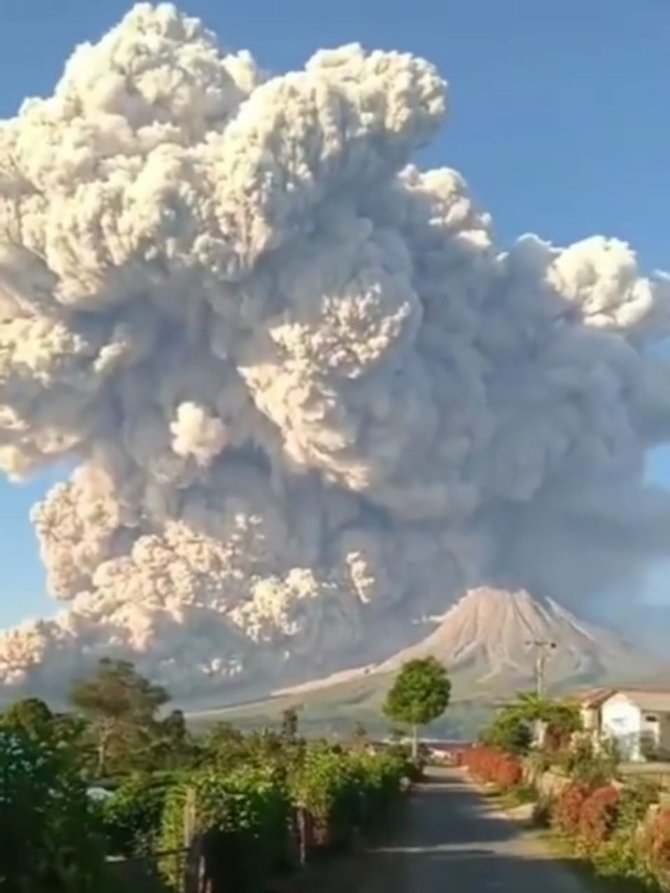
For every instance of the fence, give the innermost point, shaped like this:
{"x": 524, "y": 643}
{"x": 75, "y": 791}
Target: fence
{"x": 141, "y": 872}
{"x": 209, "y": 862}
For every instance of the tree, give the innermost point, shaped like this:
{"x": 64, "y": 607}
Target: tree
{"x": 49, "y": 824}
{"x": 289, "y": 724}
{"x": 557, "y": 720}
{"x": 174, "y": 728}
{"x": 31, "y": 715}
{"x": 419, "y": 695}
{"x": 170, "y": 745}
{"x": 224, "y": 745}
{"x": 508, "y": 732}
{"x": 122, "y": 707}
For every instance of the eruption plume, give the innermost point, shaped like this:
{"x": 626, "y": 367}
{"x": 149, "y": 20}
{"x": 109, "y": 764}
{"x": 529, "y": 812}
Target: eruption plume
{"x": 308, "y": 398}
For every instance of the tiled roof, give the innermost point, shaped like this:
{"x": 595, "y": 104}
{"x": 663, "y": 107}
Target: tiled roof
{"x": 595, "y": 697}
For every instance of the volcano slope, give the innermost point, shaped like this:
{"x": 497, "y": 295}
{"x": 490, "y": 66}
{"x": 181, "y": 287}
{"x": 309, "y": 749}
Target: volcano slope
{"x": 485, "y": 642}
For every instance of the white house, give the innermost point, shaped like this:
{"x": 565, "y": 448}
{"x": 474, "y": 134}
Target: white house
{"x": 637, "y": 720}
{"x": 590, "y": 703}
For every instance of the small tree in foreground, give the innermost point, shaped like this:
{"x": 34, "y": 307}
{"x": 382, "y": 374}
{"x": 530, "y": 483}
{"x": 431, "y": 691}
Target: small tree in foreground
{"x": 49, "y": 824}
{"x": 419, "y": 695}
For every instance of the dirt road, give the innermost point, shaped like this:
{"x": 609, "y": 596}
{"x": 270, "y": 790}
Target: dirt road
{"x": 455, "y": 839}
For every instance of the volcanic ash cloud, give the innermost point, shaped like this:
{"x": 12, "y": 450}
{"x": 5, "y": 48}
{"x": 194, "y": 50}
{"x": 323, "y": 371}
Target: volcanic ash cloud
{"x": 305, "y": 393}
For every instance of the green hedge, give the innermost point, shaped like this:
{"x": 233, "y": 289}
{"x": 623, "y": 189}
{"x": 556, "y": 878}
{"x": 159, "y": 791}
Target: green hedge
{"x": 50, "y": 837}
{"x": 246, "y": 804}
{"x": 132, "y": 815}
{"x": 254, "y": 810}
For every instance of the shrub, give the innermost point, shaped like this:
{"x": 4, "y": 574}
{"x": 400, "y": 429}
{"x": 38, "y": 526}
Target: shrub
{"x": 584, "y": 763}
{"x": 132, "y": 816}
{"x": 508, "y": 732}
{"x": 325, "y": 788}
{"x": 636, "y": 798}
{"x": 494, "y": 766}
{"x": 49, "y": 828}
{"x": 508, "y": 772}
{"x": 659, "y": 849}
{"x": 598, "y": 816}
{"x": 411, "y": 769}
{"x": 343, "y": 791}
{"x": 622, "y": 856}
{"x": 245, "y": 805}
{"x": 251, "y": 809}
{"x": 568, "y": 807}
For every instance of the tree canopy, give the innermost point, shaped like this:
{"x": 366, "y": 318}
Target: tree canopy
{"x": 509, "y": 732}
{"x": 419, "y": 695}
{"x": 31, "y": 715}
{"x": 511, "y": 729}
{"x": 122, "y": 706}
{"x": 49, "y": 837}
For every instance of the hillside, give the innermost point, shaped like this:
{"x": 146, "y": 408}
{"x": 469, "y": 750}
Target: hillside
{"x": 484, "y": 641}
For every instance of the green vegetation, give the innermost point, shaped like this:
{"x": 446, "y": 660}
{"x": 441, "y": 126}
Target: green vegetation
{"x": 512, "y": 727}
{"x": 419, "y": 695}
{"x": 602, "y": 820}
{"x": 256, "y": 803}
{"x": 121, "y": 707}
{"x": 49, "y": 842}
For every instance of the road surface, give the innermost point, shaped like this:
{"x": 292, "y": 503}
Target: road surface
{"x": 456, "y": 840}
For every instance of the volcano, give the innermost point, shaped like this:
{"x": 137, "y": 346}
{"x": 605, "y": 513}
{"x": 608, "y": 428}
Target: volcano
{"x": 487, "y": 637}
{"x": 486, "y": 642}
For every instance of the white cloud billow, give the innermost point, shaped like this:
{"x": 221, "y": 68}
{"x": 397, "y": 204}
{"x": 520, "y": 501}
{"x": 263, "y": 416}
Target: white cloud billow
{"x": 309, "y": 398}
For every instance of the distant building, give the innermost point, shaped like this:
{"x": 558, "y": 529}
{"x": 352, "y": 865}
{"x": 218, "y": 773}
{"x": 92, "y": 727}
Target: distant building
{"x": 636, "y": 719}
{"x": 590, "y": 704}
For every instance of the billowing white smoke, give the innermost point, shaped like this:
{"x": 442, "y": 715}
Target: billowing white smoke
{"x": 306, "y": 393}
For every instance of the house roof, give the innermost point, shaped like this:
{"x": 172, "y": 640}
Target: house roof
{"x": 653, "y": 699}
{"x": 594, "y": 698}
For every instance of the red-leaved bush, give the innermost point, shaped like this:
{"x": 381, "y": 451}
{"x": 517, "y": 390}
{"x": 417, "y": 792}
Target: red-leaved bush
{"x": 598, "y": 815}
{"x": 568, "y": 807}
{"x": 659, "y": 843}
{"x": 492, "y": 765}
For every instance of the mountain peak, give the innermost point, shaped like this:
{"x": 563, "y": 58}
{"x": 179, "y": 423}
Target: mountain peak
{"x": 489, "y": 634}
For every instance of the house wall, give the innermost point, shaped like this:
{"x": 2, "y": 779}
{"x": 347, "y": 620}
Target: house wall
{"x": 590, "y": 719}
{"x": 651, "y": 723}
{"x": 622, "y": 721}
{"x": 664, "y": 736}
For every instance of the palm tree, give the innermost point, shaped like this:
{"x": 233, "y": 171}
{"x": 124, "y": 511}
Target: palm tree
{"x": 554, "y": 720}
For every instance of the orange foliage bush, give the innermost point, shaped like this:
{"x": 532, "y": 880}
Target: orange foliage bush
{"x": 659, "y": 843}
{"x": 598, "y": 815}
{"x": 495, "y": 766}
{"x": 568, "y": 807}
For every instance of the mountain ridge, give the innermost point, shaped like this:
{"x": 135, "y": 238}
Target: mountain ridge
{"x": 483, "y": 639}
{"x": 493, "y": 629}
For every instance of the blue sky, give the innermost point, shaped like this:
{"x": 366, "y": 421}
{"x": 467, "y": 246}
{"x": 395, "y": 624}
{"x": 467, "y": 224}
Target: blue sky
{"x": 559, "y": 122}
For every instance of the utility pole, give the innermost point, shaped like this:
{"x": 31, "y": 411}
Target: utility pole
{"x": 543, "y": 649}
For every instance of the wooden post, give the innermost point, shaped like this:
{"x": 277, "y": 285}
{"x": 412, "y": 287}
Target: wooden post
{"x": 303, "y": 835}
{"x": 192, "y": 863}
